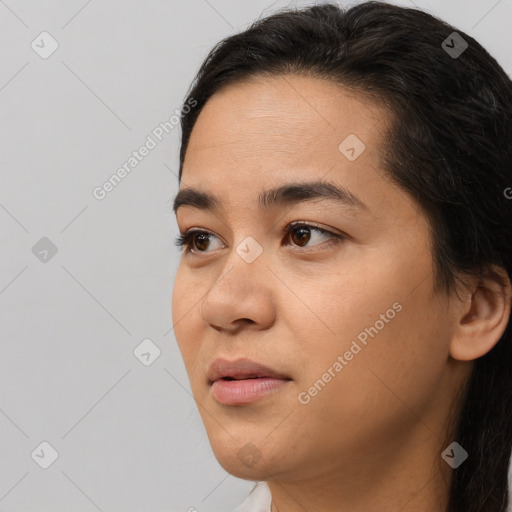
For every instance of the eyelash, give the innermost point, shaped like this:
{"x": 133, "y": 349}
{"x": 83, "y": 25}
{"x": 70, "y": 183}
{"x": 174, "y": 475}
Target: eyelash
{"x": 184, "y": 241}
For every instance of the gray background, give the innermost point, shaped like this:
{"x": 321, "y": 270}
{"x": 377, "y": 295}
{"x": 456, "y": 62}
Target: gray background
{"x": 128, "y": 435}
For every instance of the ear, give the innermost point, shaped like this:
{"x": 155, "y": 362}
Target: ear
{"x": 483, "y": 316}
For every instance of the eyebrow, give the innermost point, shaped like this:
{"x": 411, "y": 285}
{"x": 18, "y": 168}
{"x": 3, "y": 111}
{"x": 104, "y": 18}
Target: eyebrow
{"x": 284, "y": 195}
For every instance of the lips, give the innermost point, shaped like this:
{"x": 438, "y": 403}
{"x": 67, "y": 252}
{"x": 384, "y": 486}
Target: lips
{"x": 241, "y": 369}
{"x": 243, "y": 382}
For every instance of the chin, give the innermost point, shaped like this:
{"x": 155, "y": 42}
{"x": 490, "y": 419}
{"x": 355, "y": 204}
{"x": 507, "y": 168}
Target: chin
{"x": 240, "y": 469}
{"x": 242, "y": 459}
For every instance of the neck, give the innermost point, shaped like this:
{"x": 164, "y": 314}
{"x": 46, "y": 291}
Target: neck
{"x": 409, "y": 477}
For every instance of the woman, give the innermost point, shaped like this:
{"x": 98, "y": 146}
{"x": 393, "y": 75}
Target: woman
{"x": 343, "y": 298}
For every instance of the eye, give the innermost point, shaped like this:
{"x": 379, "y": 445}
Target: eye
{"x": 199, "y": 239}
{"x": 300, "y": 233}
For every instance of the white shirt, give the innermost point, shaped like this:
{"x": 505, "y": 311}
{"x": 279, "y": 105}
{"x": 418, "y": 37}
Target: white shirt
{"x": 258, "y": 500}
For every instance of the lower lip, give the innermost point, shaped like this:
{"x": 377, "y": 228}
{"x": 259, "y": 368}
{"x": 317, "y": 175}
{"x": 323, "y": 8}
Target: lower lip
{"x": 245, "y": 391}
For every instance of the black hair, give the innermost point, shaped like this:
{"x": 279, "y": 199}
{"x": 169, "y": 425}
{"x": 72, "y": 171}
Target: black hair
{"x": 449, "y": 146}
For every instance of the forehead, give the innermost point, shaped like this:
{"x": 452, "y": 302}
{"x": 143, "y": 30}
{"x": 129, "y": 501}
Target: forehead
{"x": 285, "y": 116}
{"x": 272, "y": 130}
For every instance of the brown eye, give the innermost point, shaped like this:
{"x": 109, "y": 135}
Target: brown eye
{"x": 195, "y": 241}
{"x": 200, "y": 241}
{"x": 300, "y": 236}
{"x": 305, "y": 235}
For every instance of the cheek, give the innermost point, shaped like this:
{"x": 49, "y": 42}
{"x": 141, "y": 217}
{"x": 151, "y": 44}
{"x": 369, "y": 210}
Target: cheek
{"x": 332, "y": 308}
{"x": 392, "y": 338}
{"x": 377, "y": 396}
{"x": 185, "y": 314}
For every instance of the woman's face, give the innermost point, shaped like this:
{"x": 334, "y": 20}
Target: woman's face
{"x": 342, "y": 305}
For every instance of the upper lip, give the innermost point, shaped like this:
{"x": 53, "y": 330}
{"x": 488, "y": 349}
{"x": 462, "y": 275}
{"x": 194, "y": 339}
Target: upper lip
{"x": 240, "y": 369}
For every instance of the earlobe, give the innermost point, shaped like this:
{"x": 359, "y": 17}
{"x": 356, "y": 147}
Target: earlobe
{"x": 484, "y": 315}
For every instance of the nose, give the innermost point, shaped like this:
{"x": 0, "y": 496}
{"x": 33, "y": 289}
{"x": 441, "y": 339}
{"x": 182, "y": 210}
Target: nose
{"x": 241, "y": 297}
